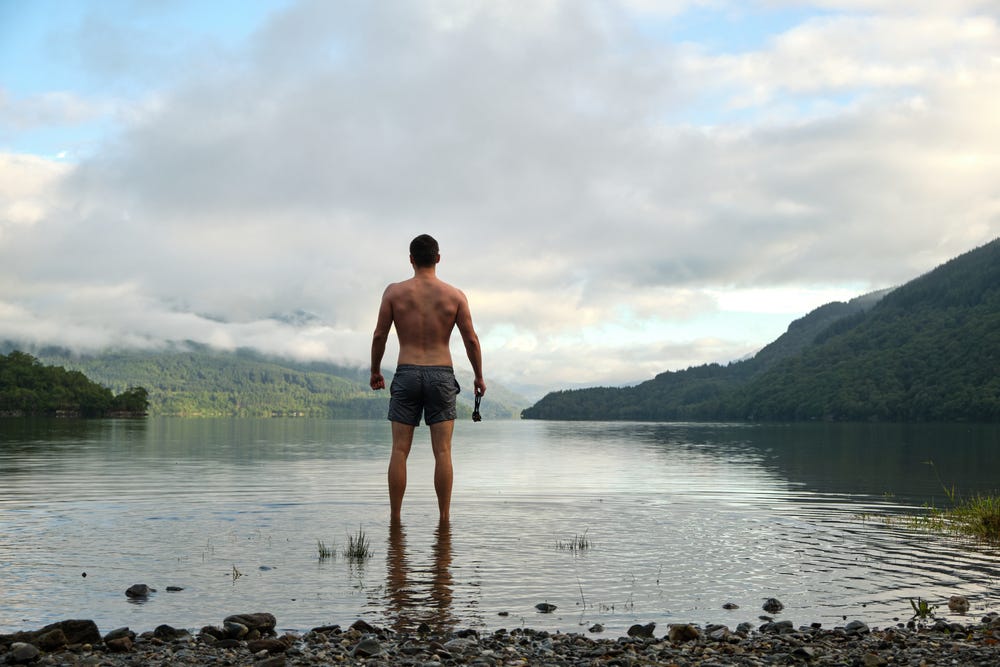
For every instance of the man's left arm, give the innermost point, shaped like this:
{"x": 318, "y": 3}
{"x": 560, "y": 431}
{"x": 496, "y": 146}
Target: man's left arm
{"x": 379, "y": 339}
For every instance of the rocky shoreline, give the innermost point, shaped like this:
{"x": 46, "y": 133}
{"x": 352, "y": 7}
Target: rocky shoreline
{"x": 251, "y": 639}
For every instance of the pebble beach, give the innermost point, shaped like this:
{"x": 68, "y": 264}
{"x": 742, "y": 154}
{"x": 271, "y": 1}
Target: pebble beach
{"x": 250, "y": 639}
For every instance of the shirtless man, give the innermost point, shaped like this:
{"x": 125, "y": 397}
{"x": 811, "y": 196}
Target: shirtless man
{"x": 424, "y": 310}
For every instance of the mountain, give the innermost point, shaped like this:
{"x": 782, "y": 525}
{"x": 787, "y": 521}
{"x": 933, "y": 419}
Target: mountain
{"x": 926, "y": 351}
{"x": 929, "y": 351}
{"x": 191, "y": 379}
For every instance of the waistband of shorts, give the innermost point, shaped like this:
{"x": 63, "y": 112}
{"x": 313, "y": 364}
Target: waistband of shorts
{"x": 415, "y": 367}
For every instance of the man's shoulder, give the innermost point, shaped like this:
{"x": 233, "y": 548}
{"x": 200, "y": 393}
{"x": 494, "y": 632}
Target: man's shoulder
{"x": 406, "y": 289}
{"x": 400, "y": 286}
{"x": 452, "y": 291}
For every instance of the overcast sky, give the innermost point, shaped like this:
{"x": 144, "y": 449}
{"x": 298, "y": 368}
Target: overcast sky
{"x": 620, "y": 187}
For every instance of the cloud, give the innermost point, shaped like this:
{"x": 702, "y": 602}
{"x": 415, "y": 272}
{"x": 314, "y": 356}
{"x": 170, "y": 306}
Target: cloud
{"x": 593, "y": 230}
{"x": 25, "y": 181}
{"x": 46, "y": 110}
{"x": 833, "y": 55}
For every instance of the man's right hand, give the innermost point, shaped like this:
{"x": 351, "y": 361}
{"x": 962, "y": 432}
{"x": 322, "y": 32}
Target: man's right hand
{"x": 377, "y": 381}
{"x": 480, "y": 386}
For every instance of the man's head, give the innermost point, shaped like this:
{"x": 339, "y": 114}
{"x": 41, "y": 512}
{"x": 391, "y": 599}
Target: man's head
{"x": 424, "y": 251}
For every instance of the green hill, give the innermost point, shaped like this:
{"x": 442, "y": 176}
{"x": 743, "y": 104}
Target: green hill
{"x": 927, "y": 351}
{"x": 30, "y": 388}
{"x": 192, "y": 380}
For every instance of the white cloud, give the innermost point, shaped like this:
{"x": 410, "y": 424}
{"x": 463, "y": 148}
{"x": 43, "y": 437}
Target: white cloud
{"x": 25, "y": 183}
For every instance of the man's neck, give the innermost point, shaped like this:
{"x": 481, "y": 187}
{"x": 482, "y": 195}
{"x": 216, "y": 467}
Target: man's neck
{"x": 424, "y": 272}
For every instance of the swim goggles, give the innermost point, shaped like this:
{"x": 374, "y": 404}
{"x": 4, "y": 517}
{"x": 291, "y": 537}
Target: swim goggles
{"x": 476, "y": 417}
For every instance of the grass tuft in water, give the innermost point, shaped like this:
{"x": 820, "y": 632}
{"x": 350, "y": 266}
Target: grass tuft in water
{"x": 325, "y": 552}
{"x": 358, "y": 547}
{"x": 978, "y": 516}
{"x": 578, "y": 543}
{"x": 922, "y": 609}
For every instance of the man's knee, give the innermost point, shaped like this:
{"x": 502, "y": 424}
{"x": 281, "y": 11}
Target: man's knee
{"x": 402, "y": 438}
{"x": 441, "y": 433}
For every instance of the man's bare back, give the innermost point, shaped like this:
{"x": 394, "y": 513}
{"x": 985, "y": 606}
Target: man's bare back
{"x": 424, "y": 310}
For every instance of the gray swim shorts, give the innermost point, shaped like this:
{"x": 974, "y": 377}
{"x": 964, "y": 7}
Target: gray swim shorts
{"x": 430, "y": 390}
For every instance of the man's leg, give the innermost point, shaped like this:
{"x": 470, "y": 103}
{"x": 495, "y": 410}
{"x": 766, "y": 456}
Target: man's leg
{"x": 441, "y": 433}
{"x": 402, "y": 439}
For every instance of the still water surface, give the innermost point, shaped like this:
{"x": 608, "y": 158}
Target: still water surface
{"x": 680, "y": 519}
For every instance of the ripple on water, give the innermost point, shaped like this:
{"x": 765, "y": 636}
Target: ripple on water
{"x": 679, "y": 519}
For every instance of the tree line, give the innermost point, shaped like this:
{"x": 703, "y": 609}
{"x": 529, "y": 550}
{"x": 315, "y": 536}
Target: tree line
{"x": 198, "y": 381}
{"x": 30, "y": 388}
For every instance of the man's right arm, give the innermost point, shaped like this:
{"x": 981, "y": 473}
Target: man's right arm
{"x": 379, "y": 339}
{"x": 472, "y": 347}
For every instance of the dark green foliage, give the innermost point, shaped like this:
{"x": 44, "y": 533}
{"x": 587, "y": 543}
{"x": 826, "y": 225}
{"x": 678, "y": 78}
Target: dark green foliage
{"x": 134, "y": 400}
{"x": 27, "y": 387}
{"x": 927, "y": 351}
{"x": 196, "y": 380}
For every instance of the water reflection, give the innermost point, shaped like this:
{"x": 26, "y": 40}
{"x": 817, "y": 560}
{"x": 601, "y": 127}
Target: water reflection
{"x": 415, "y": 596}
{"x": 913, "y": 463}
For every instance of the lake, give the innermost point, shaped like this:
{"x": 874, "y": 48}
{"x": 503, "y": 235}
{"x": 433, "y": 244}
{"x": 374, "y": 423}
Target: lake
{"x": 679, "y": 519}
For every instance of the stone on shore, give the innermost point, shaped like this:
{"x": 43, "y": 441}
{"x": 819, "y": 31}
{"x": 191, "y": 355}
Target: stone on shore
{"x": 365, "y": 628}
{"x": 119, "y": 633}
{"x": 51, "y": 640}
{"x": 233, "y": 630}
{"x": 262, "y": 622}
{"x": 682, "y": 632}
{"x": 857, "y": 628}
{"x": 22, "y": 653}
{"x": 366, "y": 648}
{"x": 57, "y": 635}
{"x": 168, "y": 633}
{"x": 271, "y": 645}
{"x": 639, "y": 630}
{"x": 119, "y": 644}
{"x": 775, "y": 643}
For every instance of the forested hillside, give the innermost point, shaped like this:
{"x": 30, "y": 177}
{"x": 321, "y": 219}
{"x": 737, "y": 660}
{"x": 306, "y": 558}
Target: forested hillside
{"x": 195, "y": 380}
{"x": 30, "y": 388}
{"x": 927, "y": 351}
{"x": 930, "y": 351}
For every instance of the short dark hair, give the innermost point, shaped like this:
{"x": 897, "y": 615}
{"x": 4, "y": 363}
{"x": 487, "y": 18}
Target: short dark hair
{"x": 424, "y": 250}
